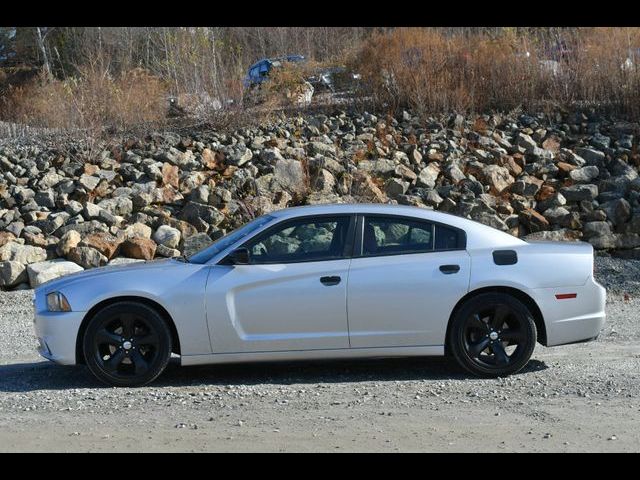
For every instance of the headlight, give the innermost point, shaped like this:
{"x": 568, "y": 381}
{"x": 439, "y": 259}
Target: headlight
{"x": 57, "y": 302}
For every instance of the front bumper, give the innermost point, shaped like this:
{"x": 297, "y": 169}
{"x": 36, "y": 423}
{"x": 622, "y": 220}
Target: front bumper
{"x": 56, "y": 332}
{"x": 572, "y": 320}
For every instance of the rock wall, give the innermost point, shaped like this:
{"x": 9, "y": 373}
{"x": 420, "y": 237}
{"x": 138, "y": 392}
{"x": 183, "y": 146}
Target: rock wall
{"x": 559, "y": 177}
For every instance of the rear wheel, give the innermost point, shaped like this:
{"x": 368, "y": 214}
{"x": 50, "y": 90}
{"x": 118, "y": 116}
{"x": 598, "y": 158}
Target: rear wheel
{"x": 127, "y": 344}
{"x": 493, "y": 334}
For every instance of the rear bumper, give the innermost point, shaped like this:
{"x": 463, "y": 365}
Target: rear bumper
{"x": 572, "y": 320}
{"x": 57, "y": 333}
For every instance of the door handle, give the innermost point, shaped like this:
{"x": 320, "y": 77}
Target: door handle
{"x": 449, "y": 269}
{"x": 328, "y": 281}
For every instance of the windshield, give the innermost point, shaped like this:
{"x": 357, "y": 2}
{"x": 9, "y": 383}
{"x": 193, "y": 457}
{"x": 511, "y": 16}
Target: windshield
{"x": 229, "y": 239}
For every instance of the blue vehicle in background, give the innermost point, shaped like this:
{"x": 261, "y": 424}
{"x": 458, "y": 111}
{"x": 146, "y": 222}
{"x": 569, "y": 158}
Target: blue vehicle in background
{"x": 259, "y": 71}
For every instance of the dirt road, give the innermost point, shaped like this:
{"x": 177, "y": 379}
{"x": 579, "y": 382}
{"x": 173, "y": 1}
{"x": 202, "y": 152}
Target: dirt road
{"x": 583, "y": 397}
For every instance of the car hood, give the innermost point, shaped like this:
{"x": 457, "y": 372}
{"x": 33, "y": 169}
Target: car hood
{"x": 107, "y": 270}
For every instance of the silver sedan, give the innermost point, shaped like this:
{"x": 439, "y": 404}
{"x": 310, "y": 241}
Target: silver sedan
{"x": 328, "y": 281}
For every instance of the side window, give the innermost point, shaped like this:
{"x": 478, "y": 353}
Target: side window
{"x": 396, "y": 236}
{"x": 301, "y": 240}
{"x": 446, "y": 238}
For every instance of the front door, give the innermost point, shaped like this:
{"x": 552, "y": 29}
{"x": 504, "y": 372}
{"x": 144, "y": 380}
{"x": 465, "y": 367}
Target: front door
{"x": 291, "y": 296}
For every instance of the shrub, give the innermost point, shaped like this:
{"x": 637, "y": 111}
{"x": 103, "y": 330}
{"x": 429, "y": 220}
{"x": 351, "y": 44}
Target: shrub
{"x": 428, "y": 71}
{"x": 92, "y": 100}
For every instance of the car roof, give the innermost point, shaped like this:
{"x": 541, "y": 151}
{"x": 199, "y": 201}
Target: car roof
{"x": 286, "y": 58}
{"x": 478, "y": 234}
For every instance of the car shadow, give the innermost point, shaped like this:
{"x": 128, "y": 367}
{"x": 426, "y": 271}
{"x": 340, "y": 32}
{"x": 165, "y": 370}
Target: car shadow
{"x": 27, "y": 377}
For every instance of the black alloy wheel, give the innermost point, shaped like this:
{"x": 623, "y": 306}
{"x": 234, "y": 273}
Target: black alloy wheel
{"x": 492, "y": 335}
{"x": 127, "y": 344}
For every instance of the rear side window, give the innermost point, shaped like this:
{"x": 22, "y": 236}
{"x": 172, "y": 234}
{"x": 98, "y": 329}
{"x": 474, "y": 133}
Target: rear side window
{"x": 388, "y": 235}
{"x": 395, "y": 236}
{"x": 446, "y": 238}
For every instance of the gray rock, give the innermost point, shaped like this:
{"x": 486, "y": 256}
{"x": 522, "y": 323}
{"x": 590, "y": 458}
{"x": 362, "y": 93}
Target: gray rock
{"x": 45, "y": 198}
{"x": 12, "y": 273}
{"x": 42, "y": 272}
{"x": 428, "y": 175}
{"x": 24, "y": 254}
{"x": 87, "y": 257}
{"x": 201, "y": 216}
{"x": 123, "y": 261}
{"x": 380, "y": 167}
{"x": 239, "y": 157}
{"x": 432, "y": 198}
{"x": 526, "y": 142}
{"x": 491, "y": 220}
{"x": 592, "y": 229}
{"x": 577, "y": 193}
{"x": 195, "y": 243}
{"x": 498, "y": 178}
{"x": 324, "y": 182}
{"x": 137, "y": 230}
{"x": 618, "y": 211}
{"x": 561, "y": 235}
{"x": 322, "y": 148}
{"x": 167, "y": 236}
{"x": 289, "y": 175}
{"x": 167, "y": 252}
{"x": 122, "y": 206}
{"x": 590, "y": 155}
{"x": 88, "y": 181}
{"x": 600, "y": 141}
{"x": 585, "y": 174}
{"x": 395, "y": 187}
{"x": 68, "y": 241}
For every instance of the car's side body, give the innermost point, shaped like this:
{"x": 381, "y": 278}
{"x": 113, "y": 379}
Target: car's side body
{"x": 383, "y": 305}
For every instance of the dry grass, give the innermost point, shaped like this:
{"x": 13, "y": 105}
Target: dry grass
{"x": 427, "y": 71}
{"x": 95, "y": 100}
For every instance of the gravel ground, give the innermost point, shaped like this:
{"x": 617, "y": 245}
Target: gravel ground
{"x": 583, "y": 397}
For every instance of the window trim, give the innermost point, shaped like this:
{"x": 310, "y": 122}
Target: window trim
{"x": 358, "y": 249}
{"x": 347, "y": 251}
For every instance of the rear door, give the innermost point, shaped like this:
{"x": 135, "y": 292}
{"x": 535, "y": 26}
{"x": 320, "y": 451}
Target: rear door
{"x": 405, "y": 278}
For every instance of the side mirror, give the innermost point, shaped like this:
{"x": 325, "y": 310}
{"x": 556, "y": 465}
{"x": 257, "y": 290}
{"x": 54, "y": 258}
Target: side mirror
{"x": 240, "y": 256}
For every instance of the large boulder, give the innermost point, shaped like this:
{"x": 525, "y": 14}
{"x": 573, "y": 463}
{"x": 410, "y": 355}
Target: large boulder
{"x": 195, "y": 243}
{"x": 584, "y": 174}
{"x": 167, "y": 236}
{"x": 12, "y": 273}
{"x": 103, "y": 242}
{"x": 137, "y": 247}
{"x": 87, "y": 257}
{"x": 137, "y": 229}
{"x": 42, "y": 272}
{"x": 290, "y": 176}
{"x": 201, "y": 216}
{"x": 24, "y": 254}
{"x": 122, "y": 206}
{"x": 577, "y": 193}
{"x": 428, "y": 175}
{"x": 69, "y": 240}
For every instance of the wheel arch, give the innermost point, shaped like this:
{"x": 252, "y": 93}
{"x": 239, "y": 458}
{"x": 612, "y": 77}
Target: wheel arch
{"x": 514, "y": 292}
{"x": 175, "y": 339}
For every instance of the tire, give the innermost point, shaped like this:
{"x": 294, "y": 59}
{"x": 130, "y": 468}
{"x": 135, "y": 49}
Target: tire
{"x": 127, "y": 344}
{"x": 492, "y": 335}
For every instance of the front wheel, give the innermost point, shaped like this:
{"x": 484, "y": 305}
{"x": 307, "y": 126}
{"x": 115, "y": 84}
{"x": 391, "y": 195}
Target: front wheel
{"x": 127, "y": 344}
{"x": 492, "y": 335}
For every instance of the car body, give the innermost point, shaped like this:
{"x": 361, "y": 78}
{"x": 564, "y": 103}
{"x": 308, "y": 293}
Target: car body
{"x": 335, "y": 281}
{"x": 259, "y": 71}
